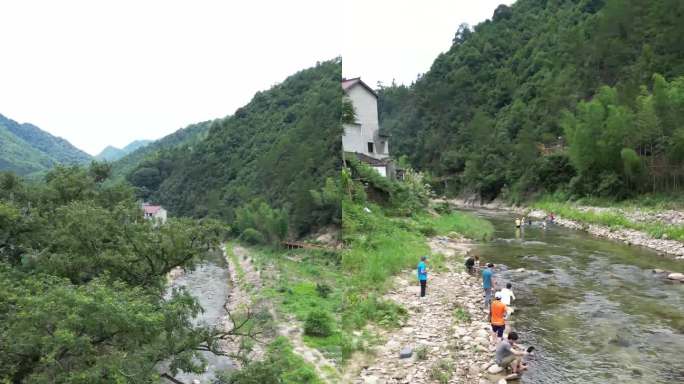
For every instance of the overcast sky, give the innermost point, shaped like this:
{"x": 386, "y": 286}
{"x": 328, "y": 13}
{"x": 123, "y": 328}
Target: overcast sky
{"x": 399, "y": 39}
{"x": 109, "y": 72}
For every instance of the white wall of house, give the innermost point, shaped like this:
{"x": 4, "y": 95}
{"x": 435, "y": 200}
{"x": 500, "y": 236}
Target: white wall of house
{"x": 357, "y": 136}
{"x": 160, "y": 215}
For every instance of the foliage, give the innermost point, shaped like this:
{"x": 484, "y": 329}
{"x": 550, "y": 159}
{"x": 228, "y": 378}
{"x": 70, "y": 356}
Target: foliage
{"x": 261, "y": 224}
{"x": 281, "y": 366}
{"x": 318, "y": 323}
{"x": 279, "y": 147}
{"x": 83, "y": 281}
{"x": 487, "y": 118}
{"x": 421, "y": 353}
{"x": 442, "y": 371}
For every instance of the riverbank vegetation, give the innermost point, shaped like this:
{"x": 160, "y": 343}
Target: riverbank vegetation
{"x": 582, "y": 97}
{"x": 83, "y": 283}
{"x": 334, "y": 294}
{"x": 615, "y": 217}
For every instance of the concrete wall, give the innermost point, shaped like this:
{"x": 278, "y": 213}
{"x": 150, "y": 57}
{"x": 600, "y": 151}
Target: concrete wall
{"x": 357, "y": 136}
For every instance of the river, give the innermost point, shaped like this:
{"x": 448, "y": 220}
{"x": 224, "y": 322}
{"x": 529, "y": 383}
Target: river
{"x": 593, "y": 308}
{"x": 209, "y": 284}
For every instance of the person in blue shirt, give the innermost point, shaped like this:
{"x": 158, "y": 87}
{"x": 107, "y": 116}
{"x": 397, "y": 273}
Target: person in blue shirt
{"x": 488, "y": 284}
{"x": 422, "y": 275}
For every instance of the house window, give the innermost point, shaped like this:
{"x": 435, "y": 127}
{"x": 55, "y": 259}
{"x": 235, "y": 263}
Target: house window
{"x": 370, "y": 147}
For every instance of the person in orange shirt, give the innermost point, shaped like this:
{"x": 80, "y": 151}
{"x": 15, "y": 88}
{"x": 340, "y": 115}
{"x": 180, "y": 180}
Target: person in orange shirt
{"x": 497, "y": 313}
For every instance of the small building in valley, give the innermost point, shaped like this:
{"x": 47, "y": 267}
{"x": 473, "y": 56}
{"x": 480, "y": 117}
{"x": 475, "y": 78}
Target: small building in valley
{"x": 364, "y": 138}
{"x": 154, "y": 212}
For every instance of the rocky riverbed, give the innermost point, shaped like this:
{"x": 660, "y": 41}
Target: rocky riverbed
{"x": 446, "y": 333}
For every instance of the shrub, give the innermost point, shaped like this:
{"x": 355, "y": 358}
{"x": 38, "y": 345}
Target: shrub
{"x": 323, "y": 290}
{"x": 252, "y": 236}
{"x": 318, "y": 323}
{"x": 442, "y": 371}
{"x": 421, "y": 353}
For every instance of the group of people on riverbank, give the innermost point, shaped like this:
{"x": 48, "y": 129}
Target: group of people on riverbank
{"x": 499, "y": 310}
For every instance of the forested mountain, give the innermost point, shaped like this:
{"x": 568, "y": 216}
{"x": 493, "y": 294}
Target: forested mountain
{"x": 283, "y": 148}
{"x": 182, "y": 140}
{"x": 111, "y": 153}
{"x": 25, "y": 148}
{"x": 583, "y": 96}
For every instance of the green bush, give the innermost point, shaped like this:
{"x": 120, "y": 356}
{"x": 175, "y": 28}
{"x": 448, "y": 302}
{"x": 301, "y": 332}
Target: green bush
{"x": 252, "y": 236}
{"x": 323, "y": 290}
{"x": 318, "y": 323}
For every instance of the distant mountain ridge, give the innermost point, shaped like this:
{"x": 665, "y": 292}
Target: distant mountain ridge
{"x": 111, "y": 153}
{"x": 25, "y": 148}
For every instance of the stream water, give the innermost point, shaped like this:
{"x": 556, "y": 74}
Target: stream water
{"x": 593, "y": 308}
{"x": 209, "y": 284}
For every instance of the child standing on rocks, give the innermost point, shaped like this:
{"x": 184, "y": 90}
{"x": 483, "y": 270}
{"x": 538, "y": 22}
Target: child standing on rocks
{"x": 422, "y": 275}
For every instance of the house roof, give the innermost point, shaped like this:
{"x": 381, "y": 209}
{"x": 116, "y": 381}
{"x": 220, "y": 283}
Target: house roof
{"x": 348, "y": 84}
{"x": 372, "y": 161}
{"x": 151, "y": 209}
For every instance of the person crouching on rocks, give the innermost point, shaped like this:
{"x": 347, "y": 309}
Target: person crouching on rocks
{"x": 422, "y": 275}
{"x": 506, "y": 356}
{"x": 497, "y": 314}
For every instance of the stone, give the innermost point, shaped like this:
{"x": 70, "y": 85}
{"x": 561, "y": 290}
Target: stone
{"x": 494, "y": 369}
{"x": 502, "y": 381}
{"x": 405, "y": 353}
{"x": 676, "y": 276}
{"x": 658, "y": 270}
{"x": 482, "y": 333}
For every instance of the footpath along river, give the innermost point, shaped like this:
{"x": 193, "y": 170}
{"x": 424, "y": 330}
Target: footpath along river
{"x": 593, "y": 308}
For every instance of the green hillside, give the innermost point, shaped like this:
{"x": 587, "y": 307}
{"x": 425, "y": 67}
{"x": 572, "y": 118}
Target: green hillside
{"x": 111, "y": 153}
{"x": 25, "y": 149}
{"x": 581, "y": 96}
{"x": 181, "y": 140}
{"x": 280, "y": 147}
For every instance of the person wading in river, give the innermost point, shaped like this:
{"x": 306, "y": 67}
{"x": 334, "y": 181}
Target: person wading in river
{"x": 422, "y": 275}
{"x": 506, "y": 356}
{"x": 488, "y": 284}
{"x": 497, "y": 312}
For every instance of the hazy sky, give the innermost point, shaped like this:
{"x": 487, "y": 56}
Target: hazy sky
{"x": 110, "y": 72}
{"x": 399, "y": 39}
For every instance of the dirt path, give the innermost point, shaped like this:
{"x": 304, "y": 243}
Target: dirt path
{"x": 241, "y": 296}
{"x": 434, "y": 326}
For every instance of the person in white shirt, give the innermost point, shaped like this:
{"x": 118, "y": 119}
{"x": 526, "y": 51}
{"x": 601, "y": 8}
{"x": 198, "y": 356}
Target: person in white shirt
{"x": 506, "y": 297}
{"x": 507, "y": 294}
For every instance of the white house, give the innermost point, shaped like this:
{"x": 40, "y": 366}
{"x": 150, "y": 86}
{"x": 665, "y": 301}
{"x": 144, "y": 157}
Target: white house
{"x": 364, "y": 138}
{"x": 154, "y": 212}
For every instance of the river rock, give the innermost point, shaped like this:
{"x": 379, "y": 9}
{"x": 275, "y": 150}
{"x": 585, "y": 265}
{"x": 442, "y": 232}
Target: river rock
{"x": 405, "y": 353}
{"x": 494, "y": 369}
{"x": 502, "y": 381}
{"x": 676, "y": 276}
{"x": 482, "y": 333}
{"x": 658, "y": 270}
